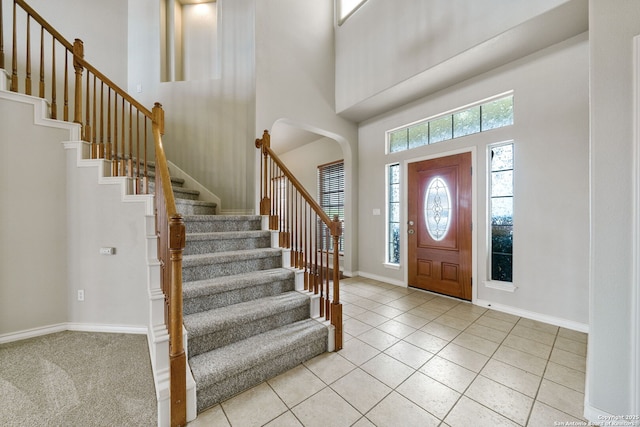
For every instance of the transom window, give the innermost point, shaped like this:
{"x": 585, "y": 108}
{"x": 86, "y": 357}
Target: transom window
{"x": 479, "y": 118}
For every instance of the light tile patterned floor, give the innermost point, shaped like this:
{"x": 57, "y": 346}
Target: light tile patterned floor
{"x": 412, "y": 358}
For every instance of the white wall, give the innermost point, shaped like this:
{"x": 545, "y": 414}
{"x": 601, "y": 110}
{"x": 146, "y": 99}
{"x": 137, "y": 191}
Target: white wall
{"x": 33, "y": 227}
{"x": 613, "y": 379}
{"x": 209, "y": 131}
{"x": 303, "y": 162}
{"x": 390, "y": 53}
{"x": 54, "y": 218}
{"x": 295, "y": 85}
{"x": 115, "y": 286}
{"x": 551, "y": 181}
{"x": 102, "y": 26}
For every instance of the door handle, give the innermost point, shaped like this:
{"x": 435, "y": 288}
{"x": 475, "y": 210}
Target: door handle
{"x": 411, "y": 231}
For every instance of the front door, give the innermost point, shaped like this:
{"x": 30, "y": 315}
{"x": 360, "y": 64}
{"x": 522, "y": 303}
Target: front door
{"x": 439, "y": 225}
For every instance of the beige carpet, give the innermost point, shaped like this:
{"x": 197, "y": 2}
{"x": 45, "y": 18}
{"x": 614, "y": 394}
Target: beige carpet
{"x": 77, "y": 379}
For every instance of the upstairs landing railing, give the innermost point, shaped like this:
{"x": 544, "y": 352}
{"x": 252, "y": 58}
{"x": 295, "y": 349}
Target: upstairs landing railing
{"x": 306, "y": 230}
{"x": 117, "y": 129}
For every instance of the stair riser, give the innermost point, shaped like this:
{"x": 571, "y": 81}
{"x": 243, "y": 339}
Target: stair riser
{"x": 194, "y": 210}
{"x": 178, "y": 192}
{"x": 254, "y": 375}
{"x": 207, "y": 271}
{"x": 214, "y": 226}
{"x": 225, "y": 245}
{"x": 228, "y": 334}
{"x": 236, "y": 296}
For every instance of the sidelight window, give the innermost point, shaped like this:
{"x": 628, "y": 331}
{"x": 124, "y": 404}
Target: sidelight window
{"x": 501, "y": 210}
{"x": 393, "y": 214}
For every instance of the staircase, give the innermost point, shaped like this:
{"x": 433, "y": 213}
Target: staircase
{"x": 245, "y": 321}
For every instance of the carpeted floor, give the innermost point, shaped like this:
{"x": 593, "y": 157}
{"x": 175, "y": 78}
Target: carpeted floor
{"x": 77, "y": 379}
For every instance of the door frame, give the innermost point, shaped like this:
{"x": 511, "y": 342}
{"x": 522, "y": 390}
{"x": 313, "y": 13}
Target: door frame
{"x": 404, "y": 198}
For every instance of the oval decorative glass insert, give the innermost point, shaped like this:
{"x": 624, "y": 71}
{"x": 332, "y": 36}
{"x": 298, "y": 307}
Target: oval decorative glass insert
{"x": 437, "y": 208}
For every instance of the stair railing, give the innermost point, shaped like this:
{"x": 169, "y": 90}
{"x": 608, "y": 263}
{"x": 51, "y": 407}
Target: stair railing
{"x": 304, "y": 228}
{"x": 116, "y": 127}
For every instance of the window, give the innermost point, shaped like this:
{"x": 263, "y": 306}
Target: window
{"x": 479, "y": 118}
{"x": 393, "y": 214}
{"x": 346, "y": 8}
{"x": 501, "y": 210}
{"x": 331, "y": 197}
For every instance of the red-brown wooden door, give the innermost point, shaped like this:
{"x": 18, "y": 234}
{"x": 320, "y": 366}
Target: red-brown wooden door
{"x": 439, "y": 225}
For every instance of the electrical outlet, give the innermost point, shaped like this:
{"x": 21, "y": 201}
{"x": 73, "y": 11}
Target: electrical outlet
{"x": 80, "y": 294}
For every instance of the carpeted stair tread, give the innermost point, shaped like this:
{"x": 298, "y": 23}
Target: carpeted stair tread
{"x": 224, "y": 326}
{"x": 231, "y": 256}
{"x": 217, "y": 365}
{"x": 221, "y": 291}
{"x": 195, "y": 207}
{"x": 227, "y": 317}
{"x": 225, "y": 235}
{"x": 175, "y": 181}
{"x": 222, "y": 284}
{"x": 207, "y": 242}
{"x": 179, "y": 192}
{"x": 220, "y": 223}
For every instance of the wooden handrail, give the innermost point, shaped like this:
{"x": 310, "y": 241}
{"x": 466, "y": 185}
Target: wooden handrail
{"x": 169, "y": 223}
{"x": 294, "y": 220}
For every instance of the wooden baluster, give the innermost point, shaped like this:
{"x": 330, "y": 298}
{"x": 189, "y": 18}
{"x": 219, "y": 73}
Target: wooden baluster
{"x": 14, "y": 54}
{"x": 307, "y": 245}
{"x": 87, "y": 128}
{"x": 145, "y": 182}
{"x": 65, "y": 108}
{"x": 137, "y": 174}
{"x": 54, "y": 104}
{"x": 1, "y": 38}
{"x": 108, "y": 148}
{"x": 78, "y": 53}
{"x": 327, "y": 301}
{"x": 122, "y": 142}
{"x": 101, "y": 146}
{"x": 321, "y": 272}
{"x": 41, "y": 87}
{"x": 114, "y": 163}
{"x": 27, "y": 80}
{"x": 130, "y": 160}
{"x": 93, "y": 124}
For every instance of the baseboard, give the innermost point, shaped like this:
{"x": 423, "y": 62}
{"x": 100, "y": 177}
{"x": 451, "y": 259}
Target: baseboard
{"x": 32, "y": 333}
{"x": 380, "y": 279}
{"x": 77, "y": 327}
{"x": 597, "y": 417}
{"x": 557, "y": 321}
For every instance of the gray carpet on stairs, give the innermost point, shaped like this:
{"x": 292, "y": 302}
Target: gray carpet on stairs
{"x": 245, "y": 321}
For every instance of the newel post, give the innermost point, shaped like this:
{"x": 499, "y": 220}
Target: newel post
{"x": 177, "y": 357}
{"x": 265, "y": 201}
{"x": 336, "y": 307}
{"x": 78, "y": 53}
{"x": 158, "y": 116}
